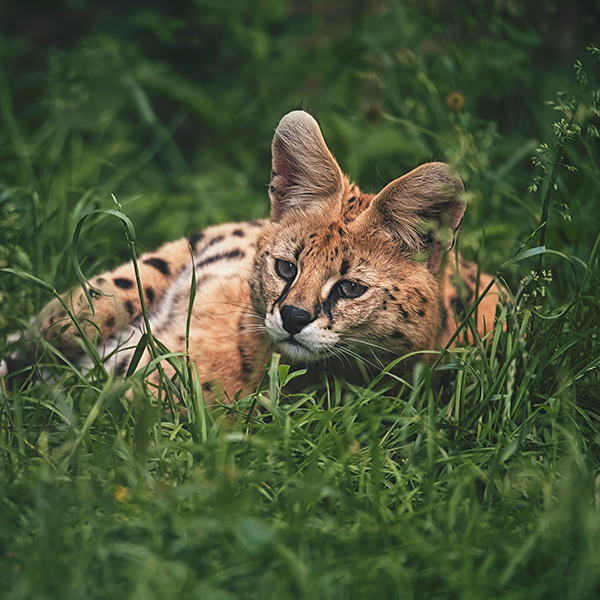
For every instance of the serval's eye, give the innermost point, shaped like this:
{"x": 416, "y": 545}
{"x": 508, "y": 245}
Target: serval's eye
{"x": 285, "y": 269}
{"x": 351, "y": 289}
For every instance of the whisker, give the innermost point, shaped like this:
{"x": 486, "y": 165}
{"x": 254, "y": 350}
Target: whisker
{"x": 343, "y": 353}
{"x": 243, "y": 305}
{"x": 251, "y": 316}
{"x": 247, "y": 330}
{"x": 359, "y": 341}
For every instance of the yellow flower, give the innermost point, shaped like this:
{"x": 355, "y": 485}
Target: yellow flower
{"x": 455, "y": 101}
{"x": 120, "y": 493}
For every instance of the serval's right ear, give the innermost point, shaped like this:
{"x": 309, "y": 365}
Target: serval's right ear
{"x": 305, "y": 174}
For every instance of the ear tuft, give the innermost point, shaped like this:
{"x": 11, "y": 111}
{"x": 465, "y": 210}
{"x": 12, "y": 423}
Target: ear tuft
{"x": 305, "y": 174}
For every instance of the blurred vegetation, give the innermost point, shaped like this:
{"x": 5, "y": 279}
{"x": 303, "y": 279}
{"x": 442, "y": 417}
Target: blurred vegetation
{"x": 172, "y": 107}
{"x": 479, "y": 480}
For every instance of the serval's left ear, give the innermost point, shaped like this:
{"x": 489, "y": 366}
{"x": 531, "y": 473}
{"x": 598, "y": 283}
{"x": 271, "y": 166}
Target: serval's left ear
{"x": 422, "y": 210}
{"x": 305, "y": 174}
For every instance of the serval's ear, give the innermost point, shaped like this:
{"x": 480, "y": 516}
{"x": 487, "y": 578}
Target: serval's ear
{"x": 305, "y": 174}
{"x": 422, "y": 210}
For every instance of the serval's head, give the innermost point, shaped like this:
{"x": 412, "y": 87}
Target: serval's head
{"x": 342, "y": 273}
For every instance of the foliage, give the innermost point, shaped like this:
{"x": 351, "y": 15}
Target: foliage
{"x": 477, "y": 478}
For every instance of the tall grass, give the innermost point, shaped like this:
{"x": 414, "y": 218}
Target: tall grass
{"x": 475, "y": 478}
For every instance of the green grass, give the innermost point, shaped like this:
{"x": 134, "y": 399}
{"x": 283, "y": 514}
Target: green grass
{"x": 477, "y": 478}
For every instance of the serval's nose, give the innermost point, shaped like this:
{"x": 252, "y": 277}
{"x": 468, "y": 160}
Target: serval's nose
{"x": 294, "y": 319}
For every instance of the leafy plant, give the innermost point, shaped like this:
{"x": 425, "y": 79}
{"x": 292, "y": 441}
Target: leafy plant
{"x": 474, "y": 478}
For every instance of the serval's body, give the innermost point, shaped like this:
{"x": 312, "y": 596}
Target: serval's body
{"x": 335, "y": 274}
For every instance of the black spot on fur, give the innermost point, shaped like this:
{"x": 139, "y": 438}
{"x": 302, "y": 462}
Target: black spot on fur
{"x": 179, "y": 296}
{"x": 110, "y": 322}
{"x": 238, "y": 233}
{"x": 207, "y": 386}
{"x": 458, "y": 305}
{"x": 12, "y": 364}
{"x": 122, "y": 367}
{"x": 123, "y": 283}
{"x": 403, "y": 312}
{"x": 422, "y": 298}
{"x": 223, "y": 256}
{"x": 246, "y": 364}
{"x": 195, "y": 238}
{"x": 129, "y": 308}
{"x": 150, "y": 294}
{"x": 421, "y": 312}
{"x": 216, "y": 240}
{"x": 159, "y": 264}
{"x": 469, "y": 296}
{"x": 200, "y": 281}
{"x": 100, "y": 280}
{"x": 397, "y": 335}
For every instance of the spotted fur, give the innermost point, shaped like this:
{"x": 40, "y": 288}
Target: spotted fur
{"x": 333, "y": 275}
